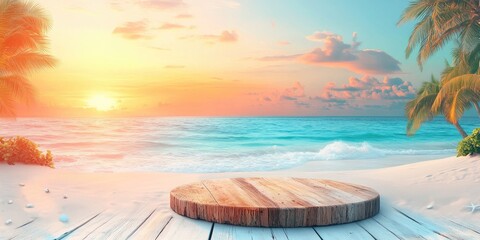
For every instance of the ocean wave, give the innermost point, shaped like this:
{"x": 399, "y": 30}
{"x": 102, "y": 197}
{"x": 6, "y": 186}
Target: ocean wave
{"x": 268, "y": 159}
{"x": 339, "y": 150}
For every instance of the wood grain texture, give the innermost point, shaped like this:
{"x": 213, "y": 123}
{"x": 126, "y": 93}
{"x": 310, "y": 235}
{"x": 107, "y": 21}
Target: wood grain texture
{"x": 275, "y": 202}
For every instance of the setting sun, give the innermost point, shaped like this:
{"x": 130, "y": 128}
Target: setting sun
{"x": 101, "y": 103}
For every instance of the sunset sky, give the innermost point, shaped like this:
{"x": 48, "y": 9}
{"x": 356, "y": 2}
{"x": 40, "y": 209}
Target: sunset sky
{"x": 227, "y": 58}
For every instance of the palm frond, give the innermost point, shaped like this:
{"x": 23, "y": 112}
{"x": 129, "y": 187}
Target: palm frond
{"x": 419, "y": 111}
{"x": 23, "y": 48}
{"x": 450, "y": 88}
{"x": 461, "y": 101}
{"x": 438, "y": 22}
{"x": 28, "y": 61}
{"x": 19, "y": 87}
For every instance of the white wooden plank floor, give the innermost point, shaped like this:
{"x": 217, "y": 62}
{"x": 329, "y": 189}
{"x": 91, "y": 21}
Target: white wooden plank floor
{"x": 144, "y": 221}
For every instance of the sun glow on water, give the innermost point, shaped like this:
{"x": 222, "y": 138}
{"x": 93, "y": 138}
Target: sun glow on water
{"x": 101, "y": 103}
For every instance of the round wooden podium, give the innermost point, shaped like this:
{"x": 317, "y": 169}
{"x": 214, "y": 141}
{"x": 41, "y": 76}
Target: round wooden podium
{"x": 275, "y": 202}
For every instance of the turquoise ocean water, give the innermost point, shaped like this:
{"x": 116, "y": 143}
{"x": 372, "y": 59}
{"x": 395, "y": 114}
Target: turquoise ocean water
{"x": 235, "y": 144}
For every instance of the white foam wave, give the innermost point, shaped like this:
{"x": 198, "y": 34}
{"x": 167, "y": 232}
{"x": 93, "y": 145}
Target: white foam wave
{"x": 341, "y": 150}
{"x": 272, "y": 158}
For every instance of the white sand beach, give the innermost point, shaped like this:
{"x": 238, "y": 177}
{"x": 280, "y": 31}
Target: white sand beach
{"x": 437, "y": 188}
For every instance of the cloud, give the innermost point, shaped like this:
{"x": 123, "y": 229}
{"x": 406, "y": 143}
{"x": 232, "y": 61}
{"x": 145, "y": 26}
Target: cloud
{"x": 322, "y": 36}
{"x": 336, "y": 53}
{"x": 228, "y": 3}
{"x": 283, "y": 43}
{"x": 295, "y": 92}
{"x": 160, "y": 4}
{"x": 167, "y": 26}
{"x": 279, "y": 58}
{"x": 369, "y": 88}
{"x": 121, "y": 5}
{"x": 116, "y": 5}
{"x": 225, "y": 37}
{"x": 291, "y": 95}
{"x": 159, "y": 48}
{"x": 174, "y": 66}
{"x": 133, "y": 30}
{"x": 184, "y": 16}
{"x": 334, "y": 50}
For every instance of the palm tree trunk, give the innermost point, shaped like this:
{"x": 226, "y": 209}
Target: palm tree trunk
{"x": 475, "y": 104}
{"x": 460, "y": 130}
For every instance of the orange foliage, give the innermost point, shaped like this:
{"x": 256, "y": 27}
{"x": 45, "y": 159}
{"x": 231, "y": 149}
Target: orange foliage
{"x": 22, "y": 150}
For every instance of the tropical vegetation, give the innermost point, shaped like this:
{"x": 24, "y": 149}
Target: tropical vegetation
{"x": 469, "y": 145}
{"x": 22, "y": 150}
{"x": 437, "y": 23}
{"x": 23, "y": 49}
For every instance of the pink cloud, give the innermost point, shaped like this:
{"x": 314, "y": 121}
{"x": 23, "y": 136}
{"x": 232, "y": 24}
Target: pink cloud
{"x": 297, "y": 91}
{"x": 333, "y": 50}
{"x": 336, "y": 53}
{"x": 321, "y": 36}
{"x": 279, "y": 58}
{"x": 184, "y": 16}
{"x": 225, "y": 37}
{"x": 174, "y": 66}
{"x": 121, "y": 5}
{"x": 133, "y": 30}
{"x": 369, "y": 88}
{"x": 160, "y": 4}
{"x": 168, "y": 26}
{"x": 294, "y": 95}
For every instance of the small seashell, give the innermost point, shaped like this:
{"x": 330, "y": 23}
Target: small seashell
{"x": 65, "y": 197}
{"x": 8, "y": 222}
{"x": 29, "y": 205}
{"x": 21, "y": 184}
{"x": 47, "y": 190}
{"x": 63, "y": 218}
{"x": 430, "y": 206}
{"x": 10, "y": 201}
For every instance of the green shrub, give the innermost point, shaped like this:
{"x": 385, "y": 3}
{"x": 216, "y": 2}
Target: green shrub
{"x": 22, "y": 150}
{"x": 470, "y": 144}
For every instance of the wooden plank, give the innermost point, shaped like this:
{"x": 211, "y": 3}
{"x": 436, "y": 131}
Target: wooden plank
{"x": 295, "y": 233}
{"x": 343, "y": 231}
{"x": 275, "y": 202}
{"x": 376, "y": 230}
{"x": 404, "y": 227}
{"x": 186, "y": 228}
{"x": 236, "y": 204}
{"x": 350, "y": 202}
{"x": 125, "y": 224}
{"x": 470, "y": 230}
{"x": 191, "y": 200}
{"x": 83, "y": 223}
{"x": 89, "y": 229}
{"x": 231, "y": 232}
{"x": 287, "y": 207}
{"x": 43, "y": 228}
{"x": 441, "y": 227}
{"x": 152, "y": 228}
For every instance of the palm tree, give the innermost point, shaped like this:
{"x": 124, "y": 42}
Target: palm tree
{"x": 438, "y": 22}
{"x": 419, "y": 110}
{"x": 23, "y": 47}
{"x": 460, "y": 80}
